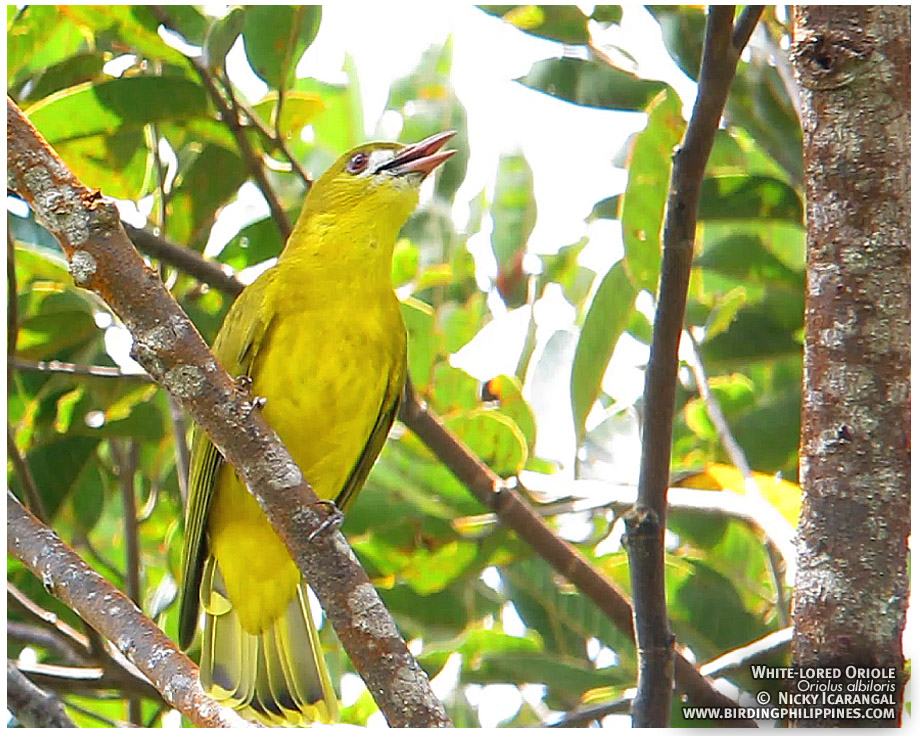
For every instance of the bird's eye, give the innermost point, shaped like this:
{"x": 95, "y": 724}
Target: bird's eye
{"x": 358, "y": 163}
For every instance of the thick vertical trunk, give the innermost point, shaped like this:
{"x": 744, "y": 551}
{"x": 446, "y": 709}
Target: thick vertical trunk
{"x": 853, "y": 65}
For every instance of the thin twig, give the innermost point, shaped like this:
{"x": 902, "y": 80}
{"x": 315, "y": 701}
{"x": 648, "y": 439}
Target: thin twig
{"x": 33, "y": 707}
{"x": 12, "y": 301}
{"x": 275, "y": 136}
{"x": 87, "y": 648}
{"x": 739, "y": 460}
{"x": 24, "y": 474}
{"x": 89, "y": 371}
{"x": 176, "y": 417}
{"x": 184, "y": 259}
{"x": 232, "y": 121}
{"x": 96, "y": 717}
{"x": 738, "y": 658}
{"x": 46, "y": 638}
{"x": 111, "y": 613}
{"x": 126, "y": 460}
{"x": 89, "y": 680}
{"x": 69, "y": 637}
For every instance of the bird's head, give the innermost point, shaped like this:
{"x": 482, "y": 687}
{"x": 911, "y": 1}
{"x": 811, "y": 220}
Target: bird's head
{"x": 378, "y": 181}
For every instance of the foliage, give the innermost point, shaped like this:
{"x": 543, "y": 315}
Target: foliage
{"x": 455, "y": 581}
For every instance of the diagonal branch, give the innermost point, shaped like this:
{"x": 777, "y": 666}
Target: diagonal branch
{"x": 517, "y": 514}
{"x": 32, "y": 706}
{"x": 170, "y": 349}
{"x": 232, "y": 121}
{"x": 112, "y": 614}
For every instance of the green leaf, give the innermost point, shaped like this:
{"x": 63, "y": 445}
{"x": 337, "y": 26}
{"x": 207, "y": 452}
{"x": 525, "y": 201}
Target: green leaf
{"x": 428, "y": 104}
{"x": 299, "y": 109}
{"x": 605, "y": 209}
{"x": 212, "y": 178}
{"x": 607, "y": 13}
{"x": 190, "y": 22}
{"x": 494, "y": 438}
{"x": 222, "y": 34}
{"x": 40, "y": 38}
{"x": 429, "y": 571}
{"x": 647, "y": 190}
{"x": 563, "y": 268}
{"x": 749, "y": 198}
{"x": 755, "y": 334}
{"x": 563, "y": 23}
{"x": 340, "y": 126}
{"x": 744, "y": 256}
{"x": 276, "y": 36}
{"x": 605, "y": 321}
{"x": 507, "y": 391}
{"x": 405, "y": 262}
{"x": 591, "y": 83}
{"x": 134, "y": 27}
{"x": 253, "y": 244}
{"x": 423, "y": 344}
{"x": 64, "y": 321}
{"x": 57, "y": 467}
{"x": 707, "y": 610}
{"x": 565, "y": 678}
{"x": 725, "y": 310}
{"x": 120, "y": 164}
{"x": 88, "y": 497}
{"x": 514, "y": 213}
{"x": 682, "y": 28}
{"x": 113, "y": 105}
{"x": 453, "y": 390}
{"x": 564, "y": 619}
{"x": 760, "y": 104}
{"x": 72, "y": 71}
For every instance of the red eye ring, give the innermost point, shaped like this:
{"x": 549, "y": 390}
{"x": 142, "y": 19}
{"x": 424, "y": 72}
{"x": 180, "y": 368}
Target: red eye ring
{"x": 357, "y": 163}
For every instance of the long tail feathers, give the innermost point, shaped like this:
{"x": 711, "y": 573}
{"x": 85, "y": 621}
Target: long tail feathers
{"x": 278, "y": 676}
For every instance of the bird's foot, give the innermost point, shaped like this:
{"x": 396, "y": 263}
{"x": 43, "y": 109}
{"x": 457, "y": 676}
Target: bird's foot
{"x": 244, "y": 384}
{"x": 332, "y": 521}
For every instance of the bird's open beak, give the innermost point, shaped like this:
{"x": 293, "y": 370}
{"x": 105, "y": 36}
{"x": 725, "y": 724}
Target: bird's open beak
{"x": 422, "y": 157}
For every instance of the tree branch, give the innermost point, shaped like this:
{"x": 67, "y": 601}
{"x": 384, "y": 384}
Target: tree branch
{"x": 646, "y": 524}
{"x": 113, "y": 666}
{"x": 173, "y": 353}
{"x": 26, "y": 481}
{"x": 185, "y": 259}
{"x": 113, "y": 615}
{"x": 89, "y": 680}
{"x": 514, "y": 512}
{"x": 232, "y": 121}
{"x": 33, "y": 707}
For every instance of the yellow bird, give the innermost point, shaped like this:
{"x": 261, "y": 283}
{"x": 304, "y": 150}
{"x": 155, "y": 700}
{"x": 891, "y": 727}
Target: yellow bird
{"x": 322, "y": 339}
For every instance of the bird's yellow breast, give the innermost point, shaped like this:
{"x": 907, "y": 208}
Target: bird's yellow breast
{"x": 324, "y": 373}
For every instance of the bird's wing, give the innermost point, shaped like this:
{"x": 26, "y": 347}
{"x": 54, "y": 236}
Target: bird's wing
{"x": 375, "y": 441}
{"x": 235, "y": 348}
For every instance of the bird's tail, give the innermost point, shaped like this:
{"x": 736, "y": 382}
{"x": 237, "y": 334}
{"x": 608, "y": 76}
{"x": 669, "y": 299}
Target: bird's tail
{"x": 278, "y": 676}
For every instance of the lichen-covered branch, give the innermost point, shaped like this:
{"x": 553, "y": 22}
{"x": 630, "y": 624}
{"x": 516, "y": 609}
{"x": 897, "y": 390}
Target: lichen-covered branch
{"x": 113, "y": 615}
{"x": 170, "y": 349}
